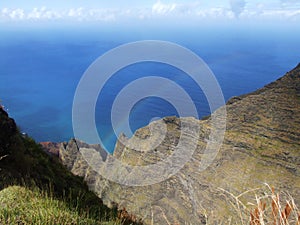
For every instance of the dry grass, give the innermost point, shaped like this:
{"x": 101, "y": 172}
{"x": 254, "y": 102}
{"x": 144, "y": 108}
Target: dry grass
{"x": 279, "y": 212}
{"x": 269, "y": 208}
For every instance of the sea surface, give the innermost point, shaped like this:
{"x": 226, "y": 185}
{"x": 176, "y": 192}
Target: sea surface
{"x": 41, "y": 68}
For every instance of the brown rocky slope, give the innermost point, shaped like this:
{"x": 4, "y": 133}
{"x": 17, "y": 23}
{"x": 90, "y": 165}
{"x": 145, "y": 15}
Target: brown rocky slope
{"x": 261, "y": 145}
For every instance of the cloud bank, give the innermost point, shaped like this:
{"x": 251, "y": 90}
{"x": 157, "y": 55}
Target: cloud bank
{"x": 236, "y": 9}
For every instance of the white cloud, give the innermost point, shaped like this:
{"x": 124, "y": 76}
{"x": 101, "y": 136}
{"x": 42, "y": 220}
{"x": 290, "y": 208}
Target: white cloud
{"x": 36, "y": 13}
{"x": 291, "y": 14}
{"x": 215, "y": 13}
{"x": 192, "y": 11}
{"x": 17, "y": 14}
{"x": 162, "y": 9}
{"x": 75, "y": 12}
{"x": 104, "y": 14}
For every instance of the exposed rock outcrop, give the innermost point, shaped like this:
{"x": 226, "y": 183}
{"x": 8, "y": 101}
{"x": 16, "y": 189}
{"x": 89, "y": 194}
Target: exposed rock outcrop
{"x": 51, "y": 148}
{"x": 261, "y": 145}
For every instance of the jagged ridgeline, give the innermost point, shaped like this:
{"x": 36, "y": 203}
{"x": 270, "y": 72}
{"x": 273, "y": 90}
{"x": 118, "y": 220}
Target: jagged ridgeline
{"x": 262, "y": 145}
{"x": 49, "y": 193}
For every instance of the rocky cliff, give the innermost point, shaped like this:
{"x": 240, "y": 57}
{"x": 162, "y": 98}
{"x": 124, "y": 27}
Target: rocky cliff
{"x": 261, "y": 145}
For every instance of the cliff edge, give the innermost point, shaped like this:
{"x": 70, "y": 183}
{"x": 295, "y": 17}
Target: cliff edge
{"x": 261, "y": 145}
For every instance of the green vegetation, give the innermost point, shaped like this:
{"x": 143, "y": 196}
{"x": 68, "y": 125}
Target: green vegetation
{"x": 35, "y": 188}
{"x": 21, "y": 205}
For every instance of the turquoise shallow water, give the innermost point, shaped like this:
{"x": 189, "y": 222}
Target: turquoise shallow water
{"x": 39, "y": 72}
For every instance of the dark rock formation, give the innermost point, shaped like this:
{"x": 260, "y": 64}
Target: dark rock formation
{"x": 8, "y": 129}
{"x": 261, "y": 145}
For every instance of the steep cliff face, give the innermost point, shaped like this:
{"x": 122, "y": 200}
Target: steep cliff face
{"x": 8, "y": 130}
{"x": 261, "y": 145}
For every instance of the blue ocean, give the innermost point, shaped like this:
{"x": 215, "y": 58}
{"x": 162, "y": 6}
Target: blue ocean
{"x": 41, "y": 68}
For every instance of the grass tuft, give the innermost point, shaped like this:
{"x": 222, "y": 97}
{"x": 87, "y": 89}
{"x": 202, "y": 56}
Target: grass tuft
{"x": 21, "y": 205}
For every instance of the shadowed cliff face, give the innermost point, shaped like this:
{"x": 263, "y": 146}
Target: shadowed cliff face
{"x": 262, "y": 145}
{"x": 8, "y": 129}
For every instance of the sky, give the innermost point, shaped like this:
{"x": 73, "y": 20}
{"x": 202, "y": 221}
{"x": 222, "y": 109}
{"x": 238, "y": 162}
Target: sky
{"x": 158, "y": 10}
